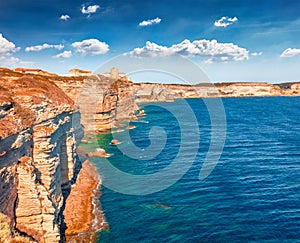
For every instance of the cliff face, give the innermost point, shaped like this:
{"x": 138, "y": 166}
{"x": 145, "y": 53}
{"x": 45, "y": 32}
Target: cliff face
{"x": 290, "y": 89}
{"x": 83, "y": 200}
{"x": 248, "y": 89}
{"x": 34, "y": 71}
{"x": 40, "y": 130}
{"x": 39, "y": 133}
{"x": 149, "y": 92}
{"x": 103, "y": 102}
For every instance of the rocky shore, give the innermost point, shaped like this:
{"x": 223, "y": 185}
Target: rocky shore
{"x": 149, "y": 92}
{"x": 82, "y": 214}
{"x": 48, "y": 192}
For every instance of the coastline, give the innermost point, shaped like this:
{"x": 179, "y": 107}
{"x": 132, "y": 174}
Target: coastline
{"x": 28, "y": 176}
{"x": 83, "y": 214}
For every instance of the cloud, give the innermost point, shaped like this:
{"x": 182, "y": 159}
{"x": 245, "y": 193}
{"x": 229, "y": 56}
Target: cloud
{"x": 64, "y": 17}
{"x": 44, "y": 46}
{"x": 91, "y": 47}
{"x": 90, "y": 9}
{"x": 216, "y": 52}
{"x": 225, "y": 21}
{"x": 290, "y": 52}
{"x": 255, "y": 54}
{"x": 7, "y": 47}
{"x": 9, "y": 61}
{"x": 150, "y": 22}
{"x": 65, "y": 54}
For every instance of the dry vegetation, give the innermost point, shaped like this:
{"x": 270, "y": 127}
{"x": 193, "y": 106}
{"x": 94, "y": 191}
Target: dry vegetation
{"x": 8, "y": 234}
{"x": 21, "y": 95}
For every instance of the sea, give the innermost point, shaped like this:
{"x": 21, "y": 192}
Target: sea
{"x": 251, "y": 189}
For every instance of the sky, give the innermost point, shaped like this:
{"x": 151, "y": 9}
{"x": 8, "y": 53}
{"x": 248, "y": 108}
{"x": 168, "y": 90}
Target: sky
{"x": 233, "y": 40}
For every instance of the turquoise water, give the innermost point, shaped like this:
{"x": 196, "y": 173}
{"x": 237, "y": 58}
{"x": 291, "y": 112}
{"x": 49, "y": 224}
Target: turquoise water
{"x": 252, "y": 195}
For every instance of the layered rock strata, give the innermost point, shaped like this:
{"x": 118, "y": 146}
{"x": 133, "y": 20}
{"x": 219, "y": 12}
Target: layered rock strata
{"x": 83, "y": 199}
{"x": 150, "y": 92}
{"x": 39, "y": 134}
{"x": 248, "y": 89}
{"x": 103, "y": 102}
{"x": 40, "y": 130}
{"x": 290, "y": 89}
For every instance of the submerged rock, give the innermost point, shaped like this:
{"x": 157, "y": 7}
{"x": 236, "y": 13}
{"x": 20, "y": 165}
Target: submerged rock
{"x": 115, "y": 142}
{"x": 156, "y": 206}
{"x": 130, "y": 127}
{"x": 85, "y": 141}
{"x": 99, "y": 152}
{"x": 162, "y": 206}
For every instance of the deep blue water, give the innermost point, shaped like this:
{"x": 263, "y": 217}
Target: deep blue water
{"x": 252, "y": 195}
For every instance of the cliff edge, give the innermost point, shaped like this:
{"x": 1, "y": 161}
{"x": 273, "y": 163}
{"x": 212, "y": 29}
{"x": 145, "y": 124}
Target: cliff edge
{"x": 39, "y": 133}
{"x": 40, "y": 130}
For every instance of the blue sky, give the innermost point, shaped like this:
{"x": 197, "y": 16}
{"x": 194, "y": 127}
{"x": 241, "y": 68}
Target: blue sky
{"x": 232, "y": 40}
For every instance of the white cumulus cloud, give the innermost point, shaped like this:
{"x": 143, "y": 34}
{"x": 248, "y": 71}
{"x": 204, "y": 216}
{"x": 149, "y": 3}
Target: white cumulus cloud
{"x": 9, "y": 61}
{"x": 90, "y": 9}
{"x": 290, "y": 52}
{"x": 150, "y": 22}
{"x": 91, "y": 47}
{"x": 225, "y": 21}
{"x": 64, "y": 17}
{"x": 215, "y": 51}
{"x": 7, "y": 47}
{"x": 65, "y": 54}
{"x": 44, "y": 46}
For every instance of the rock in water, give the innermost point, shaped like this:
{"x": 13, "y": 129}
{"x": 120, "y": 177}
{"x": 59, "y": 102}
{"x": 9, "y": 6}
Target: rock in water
{"x": 115, "y": 142}
{"x": 130, "y": 127}
{"x": 99, "y": 152}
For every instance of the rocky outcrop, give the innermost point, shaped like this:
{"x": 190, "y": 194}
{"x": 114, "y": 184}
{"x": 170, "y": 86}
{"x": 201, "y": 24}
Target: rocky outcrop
{"x": 39, "y": 134}
{"x": 290, "y": 89}
{"x": 103, "y": 102}
{"x": 149, "y": 92}
{"x": 126, "y": 105}
{"x": 79, "y": 72}
{"x": 83, "y": 200}
{"x": 40, "y": 130}
{"x": 146, "y": 92}
{"x": 248, "y": 89}
{"x": 34, "y": 71}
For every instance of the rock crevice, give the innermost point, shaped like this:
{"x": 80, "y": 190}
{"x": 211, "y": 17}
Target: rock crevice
{"x": 39, "y": 133}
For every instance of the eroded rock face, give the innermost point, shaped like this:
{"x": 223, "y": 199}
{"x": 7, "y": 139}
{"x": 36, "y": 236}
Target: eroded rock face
{"x": 290, "y": 89}
{"x": 83, "y": 199}
{"x": 149, "y": 92}
{"x": 34, "y": 71}
{"x": 248, "y": 89}
{"x": 102, "y": 101}
{"x": 40, "y": 130}
{"x": 79, "y": 72}
{"x": 39, "y": 134}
